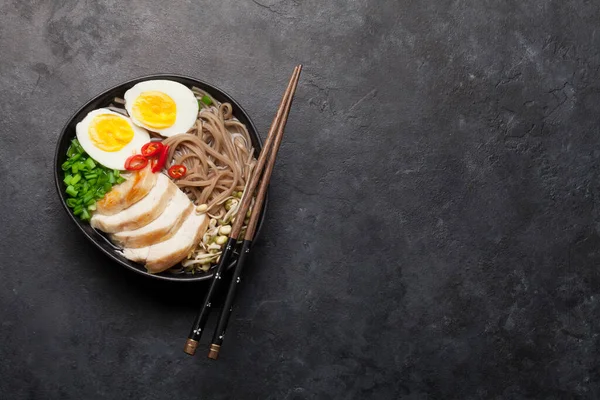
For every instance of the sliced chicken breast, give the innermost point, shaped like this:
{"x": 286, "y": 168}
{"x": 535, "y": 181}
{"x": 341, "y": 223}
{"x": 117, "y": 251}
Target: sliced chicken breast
{"x": 141, "y": 213}
{"x": 122, "y": 196}
{"x": 164, "y": 255}
{"x": 162, "y": 228}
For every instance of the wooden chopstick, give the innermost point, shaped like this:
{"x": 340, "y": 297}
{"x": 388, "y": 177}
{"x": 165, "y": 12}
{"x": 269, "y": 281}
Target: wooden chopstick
{"x": 201, "y": 318}
{"x": 219, "y": 334}
{"x": 262, "y": 158}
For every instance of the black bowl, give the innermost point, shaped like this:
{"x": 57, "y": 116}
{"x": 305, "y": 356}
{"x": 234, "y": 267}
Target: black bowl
{"x": 104, "y": 99}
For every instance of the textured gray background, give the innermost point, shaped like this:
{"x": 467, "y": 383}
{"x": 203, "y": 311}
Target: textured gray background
{"x": 434, "y": 222}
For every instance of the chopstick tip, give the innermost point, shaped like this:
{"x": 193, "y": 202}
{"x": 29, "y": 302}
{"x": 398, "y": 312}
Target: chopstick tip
{"x": 213, "y": 353}
{"x": 190, "y": 347}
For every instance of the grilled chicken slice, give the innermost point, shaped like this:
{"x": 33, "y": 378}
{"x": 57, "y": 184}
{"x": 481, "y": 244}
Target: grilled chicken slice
{"x": 162, "y": 228}
{"x": 164, "y": 255}
{"x": 141, "y": 213}
{"x": 122, "y": 196}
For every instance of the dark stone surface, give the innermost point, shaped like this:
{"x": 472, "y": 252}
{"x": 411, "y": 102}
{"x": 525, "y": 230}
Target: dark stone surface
{"x": 434, "y": 226}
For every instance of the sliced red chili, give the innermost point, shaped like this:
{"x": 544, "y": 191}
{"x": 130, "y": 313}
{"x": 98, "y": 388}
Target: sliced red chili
{"x": 152, "y": 149}
{"x": 136, "y": 162}
{"x": 162, "y": 159}
{"x": 177, "y": 171}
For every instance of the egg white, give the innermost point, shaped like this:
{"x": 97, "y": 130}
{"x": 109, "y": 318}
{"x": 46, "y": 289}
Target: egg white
{"x": 185, "y": 101}
{"x": 110, "y": 159}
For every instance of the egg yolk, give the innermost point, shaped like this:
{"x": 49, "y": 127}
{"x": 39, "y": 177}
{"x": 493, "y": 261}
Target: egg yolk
{"x": 155, "y": 109}
{"x": 109, "y": 132}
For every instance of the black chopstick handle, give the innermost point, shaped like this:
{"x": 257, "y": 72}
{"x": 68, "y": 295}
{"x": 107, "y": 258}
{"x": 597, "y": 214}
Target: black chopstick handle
{"x": 219, "y": 334}
{"x": 200, "y": 321}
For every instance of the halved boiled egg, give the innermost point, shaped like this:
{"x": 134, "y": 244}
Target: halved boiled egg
{"x": 110, "y": 138}
{"x": 162, "y": 106}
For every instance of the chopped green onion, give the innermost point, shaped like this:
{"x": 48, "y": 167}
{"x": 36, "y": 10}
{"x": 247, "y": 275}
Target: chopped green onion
{"x": 75, "y": 179}
{"x": 71, "y": 191}
{"x": 71, "y": 203}
{"x": 87, "y": 180}
{"x": 206, "y": 100}
{"x": 74, "y": 149}
{"x": 76, "y": 146}
{"x": 89, "y": 196}
{"x": 90, "y": 163}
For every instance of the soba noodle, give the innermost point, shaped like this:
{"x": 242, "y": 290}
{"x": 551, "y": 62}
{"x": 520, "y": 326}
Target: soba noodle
{"x": 218, "y": 155}
{"x": 219, "y": 158}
